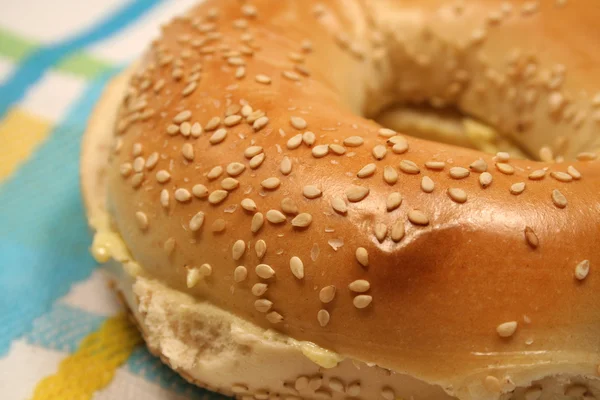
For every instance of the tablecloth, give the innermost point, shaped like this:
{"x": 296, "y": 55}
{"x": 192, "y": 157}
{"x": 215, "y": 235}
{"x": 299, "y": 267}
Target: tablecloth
{"x": 62, "y": 333}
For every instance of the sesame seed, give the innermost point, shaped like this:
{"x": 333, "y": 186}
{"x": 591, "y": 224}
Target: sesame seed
{"x": 215, "y": 172}
{"x": 311, "y": 192}
{"x": 302, "y": 220}
{"x": 258, "y": 289}
{"x": 230, "y": 184}
{"x": 152, "y": 160}
{"x": 249, "y": 10}
{"x": 559, "y": 199}
{"x": 302, "y": 69}
{"x": 435, "y": 165}
{"x": 240, "y": 273}
{"x": 582, "y": 270}
{"x": 263, "y": 305}
{"x": 359, "y": 286}
{"x": 196, "y": 129}
{"x": 182, "y": 117}
{"x": 457, "y": 195}
{"x": 240, "y": 72}
{"x": 261, "y": 248}
{"x": 362, "y": 256}
{"x": 297, "y": 267}
{"x": 427, "y": 184}
{"x": 339, "y": 205}
{"x": 218, "y": 225}
{"x": 286, "y": 166}
{"x": 232, "y": 120}
{"x": 459, "y": 172}
{"x": 218, "y": 136}
{"x": 164, "y": 198}
{"x": 586, "y": 156}
{"x": 388, "y": 393}
{"x": 379, "y": 152}
{"x": 212, "y": 124}
{"x": 138, "y": 164}
{"x": 294, "y": 142}
{"x": 323, "y": 317}
{"x": 353, "y": 141}
{"x": 397, "y": 231}
{"x": 125, "y": 169}
{"x": 275, "y": 217}
{"x": 571, "y": 170}
{"x": 137, "y": 179}
{"x": 517, "y": 188}
{"x": 188, "y": 151}
{"x": 393, "y": 201}
{"x": 367, "y": 170}
{"x": 337, "y": 149}
{"x": 409, "y": 167}
{"x": 507, "y": 329}
{"x": 390, "y": 175}
{"x": 289, "y": 206}
{"x": 197, "y": 221}
{"x": 182, "y": 195}
{"x": 238, "y": 249}
{"x": 506, "y": 169}
{"x": 502, "y": 156}
{"x": 531, "y": 238}
{"x": 189, "y": 88}
{"x": 217, "y": 196}
{"x": 260, "y": 123}
{"x": 264, "y": 271}
{"x": 380, "y": 230}
{"x": 257, "y": 222}
{"x": 537, "y": 174}
{"x": 478, "y": 165}
{"x": 417, "y": 217}
{"x": 291, "y": 75}
{"x": 248, "y": 205}
{"x": 274, "y": 317}
{"x": 271, "y": 183}
{"x": 142, "y": 220}
{"x": 193, "y": 277}
{"x": 561, "y": 176}
{"x": 356, "y": 193}
{"x": 327, "y": 294}
{"x": 387, "y": 133}
{"x": 320, "y": 151}
{"x": 362, "y": 301}
{"x": 200, "y": 191}
{"x": 235, "y": 168}
{"x": 261, "y": 78}
{"x": 308, "y": 138}
{"x": 298, "y": 123}
{"x": 400, "y": 147}
{"x": 485, "y": 179}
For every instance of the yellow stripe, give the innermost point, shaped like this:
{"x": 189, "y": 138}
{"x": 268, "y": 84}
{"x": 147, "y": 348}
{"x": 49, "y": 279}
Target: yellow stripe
{"x": 20, "y": 133}
{"x": 93, "y": 365}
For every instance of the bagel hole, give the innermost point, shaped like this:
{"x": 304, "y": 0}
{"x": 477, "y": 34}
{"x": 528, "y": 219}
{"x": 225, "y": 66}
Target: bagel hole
{"x": 447, "y": 125}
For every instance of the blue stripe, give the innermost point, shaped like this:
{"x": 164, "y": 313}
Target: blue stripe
{"x": 63, "y": 328}
{"x": 32, "y": 68}
{"x": 44, "y": 237}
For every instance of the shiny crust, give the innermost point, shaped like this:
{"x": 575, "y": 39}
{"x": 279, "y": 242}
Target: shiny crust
{"x": 441, "y": 291}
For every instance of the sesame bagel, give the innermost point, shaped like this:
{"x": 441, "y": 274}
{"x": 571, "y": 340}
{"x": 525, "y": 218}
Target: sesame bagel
{"x": 273, "y": 241}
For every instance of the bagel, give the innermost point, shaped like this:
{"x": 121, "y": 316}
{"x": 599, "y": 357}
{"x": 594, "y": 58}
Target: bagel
{"x": 273, "y": 241}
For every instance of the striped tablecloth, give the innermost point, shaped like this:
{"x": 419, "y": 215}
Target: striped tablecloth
{"x": 62, "y": 334}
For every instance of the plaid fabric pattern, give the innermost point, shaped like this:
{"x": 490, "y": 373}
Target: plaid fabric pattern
{"x": 62, "y": 333}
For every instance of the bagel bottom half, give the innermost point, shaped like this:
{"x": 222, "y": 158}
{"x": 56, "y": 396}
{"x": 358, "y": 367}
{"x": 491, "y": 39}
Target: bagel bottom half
{"x": 213, "y": 348}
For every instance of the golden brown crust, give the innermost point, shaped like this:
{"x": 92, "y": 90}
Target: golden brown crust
{"x": 442, "y": 287}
